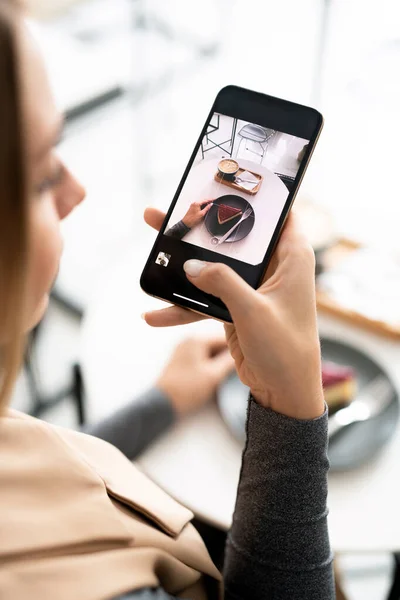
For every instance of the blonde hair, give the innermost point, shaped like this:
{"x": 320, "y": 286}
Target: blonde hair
{"x": 13, "y": 206}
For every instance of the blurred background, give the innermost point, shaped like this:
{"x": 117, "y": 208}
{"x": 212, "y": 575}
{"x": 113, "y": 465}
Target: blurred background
{"x": 136, "y": 79}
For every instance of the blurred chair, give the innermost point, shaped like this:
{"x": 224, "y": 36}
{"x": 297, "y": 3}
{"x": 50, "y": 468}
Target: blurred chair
{"x": 41, "y": 402}
{"x": 394, "y": 593}
{"x": 258, "y": 135}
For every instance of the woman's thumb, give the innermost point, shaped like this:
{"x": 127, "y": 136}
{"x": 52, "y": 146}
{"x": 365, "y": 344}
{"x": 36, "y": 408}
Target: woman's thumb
{"x": 221, "y": 281}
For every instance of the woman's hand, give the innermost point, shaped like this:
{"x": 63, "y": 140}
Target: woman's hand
{"x": 196, "y": 213}
{"x": 195, "y": 371}
{"x": 274, "y": 339}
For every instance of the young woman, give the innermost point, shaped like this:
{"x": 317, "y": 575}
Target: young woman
{"x": 77, "y": 520}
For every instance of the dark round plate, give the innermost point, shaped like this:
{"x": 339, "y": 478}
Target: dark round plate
{"x": 215, "y": 229}
{"x": 354, "y": 445}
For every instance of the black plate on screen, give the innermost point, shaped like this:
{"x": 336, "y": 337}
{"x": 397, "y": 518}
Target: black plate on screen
{"x": 355, "y": 444}
{"x": 215, "y": 229}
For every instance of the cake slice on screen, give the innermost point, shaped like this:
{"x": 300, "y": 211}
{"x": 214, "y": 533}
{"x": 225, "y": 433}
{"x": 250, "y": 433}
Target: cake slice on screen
{"x": 227, "y": 213}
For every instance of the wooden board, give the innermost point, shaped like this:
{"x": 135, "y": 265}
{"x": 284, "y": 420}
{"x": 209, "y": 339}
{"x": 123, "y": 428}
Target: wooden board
{"x": 340, "y": 251}
{"x": 236, "y": 186}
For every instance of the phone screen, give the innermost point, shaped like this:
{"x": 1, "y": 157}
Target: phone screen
{"x": 229, "y": 206}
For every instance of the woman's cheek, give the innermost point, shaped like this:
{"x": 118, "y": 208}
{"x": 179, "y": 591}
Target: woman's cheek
{"x": 45, "y": 249}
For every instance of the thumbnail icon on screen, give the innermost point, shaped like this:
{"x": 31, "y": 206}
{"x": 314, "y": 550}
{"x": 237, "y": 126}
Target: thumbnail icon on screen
{"x": 163, "y": 259}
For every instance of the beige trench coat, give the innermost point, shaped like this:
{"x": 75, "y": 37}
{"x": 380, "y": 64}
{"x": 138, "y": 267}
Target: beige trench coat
{"x": 79, "y": 521}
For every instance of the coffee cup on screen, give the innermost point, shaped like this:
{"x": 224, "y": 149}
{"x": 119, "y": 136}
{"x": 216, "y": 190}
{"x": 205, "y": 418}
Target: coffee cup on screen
{"x": 227, "y": 168}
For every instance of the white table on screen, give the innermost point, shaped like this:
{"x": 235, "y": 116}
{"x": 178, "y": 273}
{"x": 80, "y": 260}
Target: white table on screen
{"x": 267, "y": 204}
{"x": 198, "y": 461}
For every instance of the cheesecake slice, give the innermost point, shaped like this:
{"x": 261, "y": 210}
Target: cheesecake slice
{"x": 227, "y": 213}
{"x": 339, "y": 385}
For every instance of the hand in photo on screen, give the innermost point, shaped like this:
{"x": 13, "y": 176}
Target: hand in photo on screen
{"x": 194, "y": 215}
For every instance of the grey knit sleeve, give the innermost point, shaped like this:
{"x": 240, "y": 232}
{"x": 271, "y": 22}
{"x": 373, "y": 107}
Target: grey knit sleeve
{"x": 134, "y": 427}
{"x": 278, "y": 547}
{"x": 177, "y": 231}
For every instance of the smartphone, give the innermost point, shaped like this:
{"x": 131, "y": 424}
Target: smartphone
{"x": 234, "y": 196}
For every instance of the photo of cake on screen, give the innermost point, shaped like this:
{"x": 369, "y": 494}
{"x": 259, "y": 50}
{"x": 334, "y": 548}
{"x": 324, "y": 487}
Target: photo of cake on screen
{"x": 236, "y": 189}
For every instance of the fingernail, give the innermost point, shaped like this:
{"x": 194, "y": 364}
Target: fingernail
{"x": 194, "y": 267}
{"x": 143, "y": 316}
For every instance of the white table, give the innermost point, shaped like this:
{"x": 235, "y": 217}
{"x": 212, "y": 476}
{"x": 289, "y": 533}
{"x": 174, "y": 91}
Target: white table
{"x": 198, "y": 460}
{"x": 267, "y": 204}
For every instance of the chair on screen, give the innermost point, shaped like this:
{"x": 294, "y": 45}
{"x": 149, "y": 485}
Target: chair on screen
{"x": 259, "y": 138}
